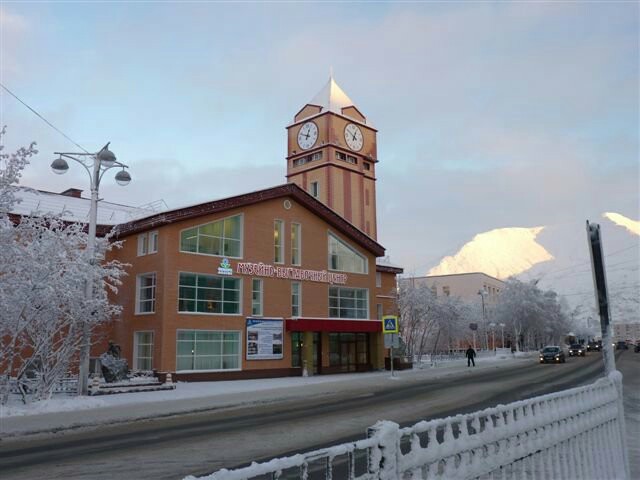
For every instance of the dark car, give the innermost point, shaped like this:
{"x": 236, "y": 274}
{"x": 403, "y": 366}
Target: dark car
{"x": 577, "y": 350}
{"x": 637, "y": 348}
{"x": 621, "y": 345}
{"x": 552, "y": 354}
{"x": 594, "y": 346}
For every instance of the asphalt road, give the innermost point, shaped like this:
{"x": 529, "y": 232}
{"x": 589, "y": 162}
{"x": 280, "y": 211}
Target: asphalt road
{"x": 170, "y": 448}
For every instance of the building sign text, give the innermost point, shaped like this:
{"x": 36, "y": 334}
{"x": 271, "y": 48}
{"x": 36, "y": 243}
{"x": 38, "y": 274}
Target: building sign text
{"x": 264, "y": 270}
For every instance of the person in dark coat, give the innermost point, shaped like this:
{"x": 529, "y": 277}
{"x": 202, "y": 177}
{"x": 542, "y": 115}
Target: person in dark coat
{"x": 471, "y": 353}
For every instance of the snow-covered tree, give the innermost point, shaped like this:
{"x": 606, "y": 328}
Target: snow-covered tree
{"x": 534, "y": 317}
{"x": 43, "y": 271}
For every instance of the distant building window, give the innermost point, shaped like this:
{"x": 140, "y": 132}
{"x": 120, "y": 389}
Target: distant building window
{"x": 344, "y": 258}
{"x": 278, "y": 241}
{"x": 143, "y": 351}
{"x": 296, "y": 294}
{"x": 143, "y": 246}
{"x": 256, "y": 297}
{"x": 379, "y": 311}
{"x": 378, "y": 279}
{"x": 446, "y": 291}
{"x": 295, "y": 243}
{"x": 153, "y": 242}
{"x": 348, "y": 302}
{"x": 315, "y": 189}
{"x": 199, "y": 293}
{"x": 367, "y": 166}
{"x": 146, "y": 293}
{"x": 207, "y": 350}
{"x": 220, "y": 238}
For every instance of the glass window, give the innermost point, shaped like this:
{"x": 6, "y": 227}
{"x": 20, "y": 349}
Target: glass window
{"x": 348, "y": 302}
{"x": 143, "y": 351}
{"x": 296, "y": 349}
{"x": 344, "y": 258}
{"x": 221, "y": 238}
{"x": 153, "y": 242}
{"x": 315, "y": 189}
{"x": 200, "y": 293}
{"x": 146, "y": 293}
{"x": 379, "y": 311}
{"x": 207, "y": 350}
{"x": 295, "y": 243}
{"x": 378, "y": 279}
{"x": 143, "y": 247}
{"x": 256, "y": 297}
{"x": 296, "y": 294}
{"x": 278, "y": 241}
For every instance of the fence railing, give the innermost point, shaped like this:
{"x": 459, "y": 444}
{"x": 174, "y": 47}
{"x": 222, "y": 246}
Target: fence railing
{"x": 576, "y": 433}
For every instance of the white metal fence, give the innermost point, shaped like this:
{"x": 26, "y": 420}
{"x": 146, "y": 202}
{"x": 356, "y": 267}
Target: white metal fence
{"x": 573, "y": 434}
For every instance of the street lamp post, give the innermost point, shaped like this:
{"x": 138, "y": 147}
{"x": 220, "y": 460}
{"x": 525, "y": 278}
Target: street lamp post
{"x": 96, "y": 164}
{"x": 502, "y": 325}
{"x": 482, "y": 293}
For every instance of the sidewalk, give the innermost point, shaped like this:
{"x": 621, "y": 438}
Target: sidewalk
{"x": 74, "y": 412}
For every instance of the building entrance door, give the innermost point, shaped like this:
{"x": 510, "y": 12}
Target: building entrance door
{"x": 348, "y": 355}
{"x": 349, "y": 352}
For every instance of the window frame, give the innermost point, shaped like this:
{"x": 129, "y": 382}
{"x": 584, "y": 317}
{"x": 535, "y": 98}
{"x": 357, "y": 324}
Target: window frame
{"x": 298, "y": 246}
{"x": 378, "y": 279}
{"x": 223, "y": 277}
{"x": 239, "y": 332}
{"x": 315, "y": 185}
{"x": 136, "y": 344}
{"x": 143, "y": 245}
{"x": 366, "y": 309}
{"x": 137, "y": 310}
{"x": 297, "y": 306}
{"x": 347, "y": 245}
{"x": 241, "y": 215}
{"x": 281, "y": 247}
{"x": 152, "y": 245}
{"x": 261, "y": 295}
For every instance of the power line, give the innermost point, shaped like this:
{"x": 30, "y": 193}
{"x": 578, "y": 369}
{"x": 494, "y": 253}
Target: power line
{"x": 43, "y": 119}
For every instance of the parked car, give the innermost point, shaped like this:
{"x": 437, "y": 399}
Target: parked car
{"x": 577, "y": 350}
{"x": 594, "y": 347}
{"x": 552, "y": 354}
{"x": 637, "y": 348}
{"x": 621, "y": 345}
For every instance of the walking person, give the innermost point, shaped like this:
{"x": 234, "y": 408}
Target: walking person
{"x": 471, "y": 353}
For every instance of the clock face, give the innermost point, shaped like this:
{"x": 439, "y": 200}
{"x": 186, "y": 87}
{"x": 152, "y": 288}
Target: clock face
{"x": 353, "y": 137}
{"x": 307, "y": 135}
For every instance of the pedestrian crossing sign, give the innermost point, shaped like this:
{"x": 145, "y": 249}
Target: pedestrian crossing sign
{"x": 389, "y": 324}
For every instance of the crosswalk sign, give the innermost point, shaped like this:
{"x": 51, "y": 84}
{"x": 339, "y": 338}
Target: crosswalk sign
{"x": 389, "y": 324}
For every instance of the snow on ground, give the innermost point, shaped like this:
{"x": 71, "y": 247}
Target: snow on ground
{"x": 191, "y": 390}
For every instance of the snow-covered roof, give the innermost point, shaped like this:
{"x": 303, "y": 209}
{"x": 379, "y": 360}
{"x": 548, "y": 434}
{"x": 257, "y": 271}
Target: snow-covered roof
{"x": 76, "y": 209}
{"x": 385, "y": 262}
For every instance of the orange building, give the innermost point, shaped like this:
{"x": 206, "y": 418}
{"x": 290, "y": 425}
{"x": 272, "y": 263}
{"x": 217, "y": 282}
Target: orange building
{"x": 271, "y": 282}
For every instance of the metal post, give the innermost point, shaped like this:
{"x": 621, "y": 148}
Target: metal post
{"x": 602, "y": 302}
{"x": 391, "y": 358}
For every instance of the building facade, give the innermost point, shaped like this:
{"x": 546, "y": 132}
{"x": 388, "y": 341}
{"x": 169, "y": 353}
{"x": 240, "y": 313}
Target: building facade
{"x": 270, "y": 283}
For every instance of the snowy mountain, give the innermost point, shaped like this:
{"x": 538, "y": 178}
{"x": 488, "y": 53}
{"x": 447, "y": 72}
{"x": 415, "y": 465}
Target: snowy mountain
{"x": 558, "y": 257}
{"x": 501, "y": 253}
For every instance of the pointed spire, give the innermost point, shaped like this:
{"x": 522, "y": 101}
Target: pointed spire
{"x": 332, "y": 97}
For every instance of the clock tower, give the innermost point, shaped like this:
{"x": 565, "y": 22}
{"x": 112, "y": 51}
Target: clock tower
{"x": 332, "y": 154}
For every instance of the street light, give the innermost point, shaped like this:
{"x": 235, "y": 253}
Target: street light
{"x": 96, "y": 164}
{"x": 482, "y": 293}
{"x": 502, "y": 325}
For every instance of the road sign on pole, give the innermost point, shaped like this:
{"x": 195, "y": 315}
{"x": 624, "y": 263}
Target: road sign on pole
{"x": 390, "y": 324}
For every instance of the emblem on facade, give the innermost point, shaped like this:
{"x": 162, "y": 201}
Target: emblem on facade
{"x": 225, "y": 267}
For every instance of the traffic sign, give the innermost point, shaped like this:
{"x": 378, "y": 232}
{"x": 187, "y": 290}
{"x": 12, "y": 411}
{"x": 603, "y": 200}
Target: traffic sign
{"x": 390, "y": 324}
{"x": 391, "y": 340}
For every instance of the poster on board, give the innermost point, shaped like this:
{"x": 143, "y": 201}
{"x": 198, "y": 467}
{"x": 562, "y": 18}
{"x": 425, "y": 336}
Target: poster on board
{"x": 264, "y": 338}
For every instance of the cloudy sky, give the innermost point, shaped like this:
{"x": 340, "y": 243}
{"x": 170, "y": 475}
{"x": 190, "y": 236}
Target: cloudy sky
{"x": 490, "y": 115}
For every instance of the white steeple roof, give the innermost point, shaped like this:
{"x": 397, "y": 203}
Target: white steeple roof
{"x": 332, "y": 98}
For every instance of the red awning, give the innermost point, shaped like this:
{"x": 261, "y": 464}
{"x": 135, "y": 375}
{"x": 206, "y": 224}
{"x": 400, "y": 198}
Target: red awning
{"x": 332, "y": 325}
